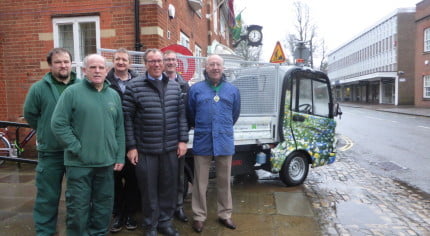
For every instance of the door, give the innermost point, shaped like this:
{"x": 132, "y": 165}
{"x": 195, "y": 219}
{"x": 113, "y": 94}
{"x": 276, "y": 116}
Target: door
{"x": 312, "y": 123}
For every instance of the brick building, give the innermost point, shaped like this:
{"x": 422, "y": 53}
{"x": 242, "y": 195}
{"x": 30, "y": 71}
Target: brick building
{"x": 422, "y": 55}
{"x": 30, "y": 28}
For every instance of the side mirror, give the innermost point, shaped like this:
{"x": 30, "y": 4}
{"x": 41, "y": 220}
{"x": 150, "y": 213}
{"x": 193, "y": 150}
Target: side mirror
{"x": 337, "y": 111}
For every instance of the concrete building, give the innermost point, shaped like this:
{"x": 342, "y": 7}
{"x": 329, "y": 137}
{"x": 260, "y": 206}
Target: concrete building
{"x": 422, "y": 56}
{"x": 377, "y": 66}
{"x": 29, "y": 29}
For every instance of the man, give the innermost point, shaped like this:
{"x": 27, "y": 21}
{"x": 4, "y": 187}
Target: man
{"x": 88, "y": 121}
{"x": 213, "y": 108}
{"x": 38, "y": 107}
{"x": 126, "y": 191}
{"x": 156, "y": 134}
{"x": 171, "y": 63}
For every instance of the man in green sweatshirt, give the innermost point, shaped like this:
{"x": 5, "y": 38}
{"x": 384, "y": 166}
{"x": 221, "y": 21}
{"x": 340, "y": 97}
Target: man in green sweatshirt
{"x": 38, "y": 107}
{"x": 88, "y": 121}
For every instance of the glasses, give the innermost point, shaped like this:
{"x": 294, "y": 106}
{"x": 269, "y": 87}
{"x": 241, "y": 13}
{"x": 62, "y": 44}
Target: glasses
{"x": 153, "y": 62}
{"x": 170, "y": 59}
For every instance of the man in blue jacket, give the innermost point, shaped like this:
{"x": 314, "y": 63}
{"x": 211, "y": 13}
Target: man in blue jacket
{"x": 213, "y": 108}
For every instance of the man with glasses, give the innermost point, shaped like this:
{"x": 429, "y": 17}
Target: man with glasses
{"x": 171, "y": 62}
{"x": 156, "y": 136}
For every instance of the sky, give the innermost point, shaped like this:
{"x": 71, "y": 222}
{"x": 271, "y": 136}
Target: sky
{"x": 338, "y": 21}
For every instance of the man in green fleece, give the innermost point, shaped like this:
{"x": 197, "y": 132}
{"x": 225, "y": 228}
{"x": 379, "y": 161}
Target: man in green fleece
{"x": 88, "y": 121}
{"x": 38, "y": 107}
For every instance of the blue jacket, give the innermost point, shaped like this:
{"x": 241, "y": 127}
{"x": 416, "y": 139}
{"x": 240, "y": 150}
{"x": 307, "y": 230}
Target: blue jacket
{"x": 213, "y": 121}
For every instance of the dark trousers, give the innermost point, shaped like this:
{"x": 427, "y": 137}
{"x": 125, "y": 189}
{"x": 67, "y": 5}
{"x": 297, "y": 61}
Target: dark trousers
{"x": 126, "y": 201}
{"x": 181, "y": 188}
{"x": 157, "y": 177}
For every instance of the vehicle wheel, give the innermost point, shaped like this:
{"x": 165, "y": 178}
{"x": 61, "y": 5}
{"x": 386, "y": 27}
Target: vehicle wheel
{"x": 4, "y": 146}
{"x": 295, "y": 169}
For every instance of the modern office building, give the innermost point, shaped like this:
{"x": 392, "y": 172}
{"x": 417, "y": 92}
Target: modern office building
{"x": 377, "y": 66}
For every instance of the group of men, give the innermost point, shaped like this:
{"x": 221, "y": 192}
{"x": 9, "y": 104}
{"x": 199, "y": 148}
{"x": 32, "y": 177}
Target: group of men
{"x": 120, "y": 140}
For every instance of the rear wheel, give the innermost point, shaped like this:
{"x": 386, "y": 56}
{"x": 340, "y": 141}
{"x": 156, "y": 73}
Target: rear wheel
{"x": 295, "y": 169}
{"x": 4, "y": 148}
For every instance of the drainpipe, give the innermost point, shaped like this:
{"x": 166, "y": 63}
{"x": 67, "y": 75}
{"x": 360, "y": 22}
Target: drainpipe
{"x": 137, "y": 45}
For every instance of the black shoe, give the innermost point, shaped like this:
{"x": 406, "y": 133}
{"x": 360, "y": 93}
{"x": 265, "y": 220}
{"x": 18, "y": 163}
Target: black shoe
{"x": 198, "y": 226}
{"x": 169, "y": 231}
{"x": 151, "y": 232}
{"x": 180, "y": 215}
{"x": 227, "y": 223}
{"x": 130, "y": 223}
{"x": 117, "y": 224}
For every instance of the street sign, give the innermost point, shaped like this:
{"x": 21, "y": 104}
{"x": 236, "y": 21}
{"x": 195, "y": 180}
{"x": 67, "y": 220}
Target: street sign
{"x": 278, "y": 55}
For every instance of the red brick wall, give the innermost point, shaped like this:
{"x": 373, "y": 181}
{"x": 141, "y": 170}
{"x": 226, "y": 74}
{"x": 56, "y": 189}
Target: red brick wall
{"x": 22, "y": 21}
{"x": 422, "y": 17}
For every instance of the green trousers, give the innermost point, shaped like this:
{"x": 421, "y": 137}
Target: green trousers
{"x": 49, "y": 176}
{"x": 89, "y": 200}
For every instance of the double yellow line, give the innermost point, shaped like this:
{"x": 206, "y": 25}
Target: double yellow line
{"x": 348, "y": 144}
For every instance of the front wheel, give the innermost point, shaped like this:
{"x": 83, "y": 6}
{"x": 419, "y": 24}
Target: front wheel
{"x": 294, "y": 170}
{"x": 4, "y": 148}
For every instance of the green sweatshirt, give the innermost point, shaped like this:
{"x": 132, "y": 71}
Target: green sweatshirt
{"x": 90, "y": 125}
{"x": 38, "y": 107}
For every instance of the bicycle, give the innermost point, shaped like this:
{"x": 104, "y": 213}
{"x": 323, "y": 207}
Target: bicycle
{"x": 11, "y": 151}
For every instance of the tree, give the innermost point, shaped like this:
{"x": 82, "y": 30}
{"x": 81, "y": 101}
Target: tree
{"x": 305, "y": 33}
{"x": 247, "y": 52}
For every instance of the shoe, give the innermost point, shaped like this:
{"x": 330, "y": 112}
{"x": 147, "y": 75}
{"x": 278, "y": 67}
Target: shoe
{"x": 198, "y": 226}
{"x": 227, "y": 223}
{"x": 180, "y": 215}
{"x": 151, "y": 232}
{"x": 169, "y": 231}
{"x": 117, "y": 224}
{"x": 130, "y": 223}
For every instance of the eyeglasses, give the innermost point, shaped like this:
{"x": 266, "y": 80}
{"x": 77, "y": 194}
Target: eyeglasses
{"x": 153, "y": 62}
{"x": 170, "y": 59}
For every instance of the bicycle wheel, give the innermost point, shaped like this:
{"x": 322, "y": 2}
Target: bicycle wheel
{"x": 4, "y": 148}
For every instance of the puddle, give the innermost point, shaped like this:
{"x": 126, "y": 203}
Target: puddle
{"x": 352, "y": 213}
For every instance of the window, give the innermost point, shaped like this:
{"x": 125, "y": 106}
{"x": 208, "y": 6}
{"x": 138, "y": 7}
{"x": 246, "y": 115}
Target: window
{"x": 313, "y": 97}
{"x": 184, "y": 40}
{"x": 427, "y": 40}
{"x": 197, "y": 51}
{"x": 426, "y": 92}
{"x": 80, "y": 35}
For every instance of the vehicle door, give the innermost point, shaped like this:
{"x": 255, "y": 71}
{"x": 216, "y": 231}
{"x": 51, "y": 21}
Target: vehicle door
{"x": 312, "y": 124}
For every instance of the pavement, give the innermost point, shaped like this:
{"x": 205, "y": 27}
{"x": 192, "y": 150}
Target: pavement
{"x": 339, "y": 199}
{"x": 400, "y": 109}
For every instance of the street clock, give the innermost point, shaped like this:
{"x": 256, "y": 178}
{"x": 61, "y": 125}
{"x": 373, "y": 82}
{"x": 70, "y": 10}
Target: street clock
{"x": 254, "y": 36}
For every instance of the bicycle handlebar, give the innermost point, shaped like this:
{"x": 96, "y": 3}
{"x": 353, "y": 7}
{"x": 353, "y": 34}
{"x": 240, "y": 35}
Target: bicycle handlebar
{"x": 4, "y": 124}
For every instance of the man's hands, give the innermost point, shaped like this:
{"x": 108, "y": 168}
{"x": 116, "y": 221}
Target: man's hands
{"x": 118, "y": 167}
{"x": 132, "y": 156}
{"x": 182, "y": 149}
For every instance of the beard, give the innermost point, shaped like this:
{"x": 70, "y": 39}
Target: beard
{"x": 62, "y": 76}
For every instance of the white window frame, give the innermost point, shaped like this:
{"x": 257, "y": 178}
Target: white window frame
{"x": 197, "y": 51}
{"x": 426, "y": 86}
{"x": 184, "y": 40}
{"x": 427, "y": 40}
{"x": 77, "y": 62}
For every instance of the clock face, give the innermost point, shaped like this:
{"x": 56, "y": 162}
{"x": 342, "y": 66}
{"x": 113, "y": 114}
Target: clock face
{"x": 254, "y": 36}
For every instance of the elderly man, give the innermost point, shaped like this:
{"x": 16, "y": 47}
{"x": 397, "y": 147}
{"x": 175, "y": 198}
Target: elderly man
{"x": 88, "y": 121}
{"x": 213, "y": 108}
{"x": 157, "y": 133}
{"x": 38, "y": 107}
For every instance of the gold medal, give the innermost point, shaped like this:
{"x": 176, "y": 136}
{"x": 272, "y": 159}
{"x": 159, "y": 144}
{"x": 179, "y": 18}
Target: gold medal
{"x": 216, "y": 98}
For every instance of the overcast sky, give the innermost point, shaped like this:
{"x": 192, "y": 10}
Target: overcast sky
{"x": 338, "y": 21}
